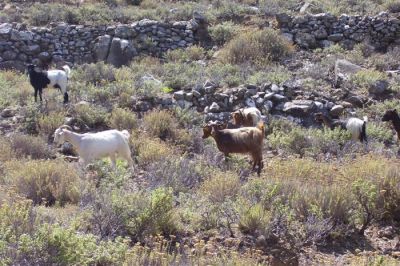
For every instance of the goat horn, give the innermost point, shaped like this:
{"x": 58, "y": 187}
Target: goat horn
{"x": 65, "y": 127}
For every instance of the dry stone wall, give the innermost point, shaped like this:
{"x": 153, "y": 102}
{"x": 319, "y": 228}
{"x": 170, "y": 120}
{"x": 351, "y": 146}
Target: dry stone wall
{"x": 323, "y": 30}
{"x": 77, "y": 44}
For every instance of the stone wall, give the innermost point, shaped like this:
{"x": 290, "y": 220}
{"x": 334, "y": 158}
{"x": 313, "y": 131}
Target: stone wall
{"x": 322, "y": 30}
{"x": 77, "y": 44}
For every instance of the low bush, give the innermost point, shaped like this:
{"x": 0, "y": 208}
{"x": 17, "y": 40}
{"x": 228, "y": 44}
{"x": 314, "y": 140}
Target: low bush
{"x": 44, "y": 182}
{"x": 191, "y": 53}
{"x": 160, "y": 124}
{"x": 90, "y": 115}
{"x": 123, "y": 119}
{"x": 47, "y": 124}
{"x": 221, "y": 187}
{"x": 256, "y": 47}
{"x": 28, "y": 146}
{"x": 150, "y": 150}
{"x": 223, "y": 32}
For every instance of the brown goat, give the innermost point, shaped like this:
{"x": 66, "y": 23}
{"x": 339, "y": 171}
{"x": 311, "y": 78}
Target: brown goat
{"x": 392, "y": 115}
{"x": 248, "y": 117}
{"x": 238, "y": 140}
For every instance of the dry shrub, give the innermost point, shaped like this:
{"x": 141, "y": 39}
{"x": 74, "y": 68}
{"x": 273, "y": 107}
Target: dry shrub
{"x": 46, "y": 182}
{"x": 160, "y": 123}
{"x": 257, "y": 47}
{"x": 221, "y": 187}
{"x": 47, "y": 124}
{"x": 7, "y": 152}
{"x": 150, "y": 150}
{"x": 123, "y": 119}
{"x": 30, "y": 146}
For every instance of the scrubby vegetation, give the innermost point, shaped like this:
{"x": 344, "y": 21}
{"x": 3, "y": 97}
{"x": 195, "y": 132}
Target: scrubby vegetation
{"x": 321, "y": 199}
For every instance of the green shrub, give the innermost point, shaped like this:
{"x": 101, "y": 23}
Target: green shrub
{"x": 256, "y": 47}
{"x": 366, "y": 78}
{"x": 90, "y": 115}
{"x": 224, "y": 32}
{"x": 297, "y": 141}
{"x": 221, "y": 187}
{"x": 123, "y": 119}
{"x": 157, "y": 218}
{"x": 30, "y": 146}
{"x": 379, "y": 132}
{"x": 20, "y": 94}
{"x": 254, "y": 219}
{"x": 47, "y": 124}
{"x": 95, "y": 73}
{"x": 191, "y": 53}
{"x": 47, "y": 182}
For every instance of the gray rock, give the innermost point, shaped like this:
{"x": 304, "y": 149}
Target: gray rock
{"x": 288, "y": 36}
{"x": 9, "y": 55}
{"x": 306, "y": 40}
{"x": 121, "y": 52}
{"x": 344, "y": 69}
{"x": 356, "y": 101}
{"x": 33, "y": 49}
{"x": 189, "y": 96}
{"x": 335, "y": 37}
{"x": 283, "y": 19}
{"x": 8, "y": 112}
{"x": 5, "y": 29}
{"x": 179, "y": 95}
{"x": 278, "y": 98}
{"x": 379, "y": 87}
{"x": 101, "y": 48}
{"x": 250, "y": 102}
{"x": 214, "y": 108}
{"x": 320, "y": 33}
{"x": 44, "y": 56}
{"x": 297, "y": 108}
{"x": 336, "y": 110}
{"x": 269, "y": 95}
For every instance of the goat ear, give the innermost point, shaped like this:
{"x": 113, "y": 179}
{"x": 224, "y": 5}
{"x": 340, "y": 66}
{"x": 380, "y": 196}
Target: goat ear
{"x": 394, "y": 110}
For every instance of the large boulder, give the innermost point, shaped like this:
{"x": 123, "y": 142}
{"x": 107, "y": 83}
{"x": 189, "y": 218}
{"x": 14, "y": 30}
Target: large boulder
{"x": 379, "y": 87}
{"x": 102, "y": 47}
{"x": 298, "y": 107}
{"x": 344, "y": 69}
{"x": 121, "y": 52}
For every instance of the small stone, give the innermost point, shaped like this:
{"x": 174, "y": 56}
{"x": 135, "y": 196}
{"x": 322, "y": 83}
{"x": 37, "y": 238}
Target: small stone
{"x": 179, "y": 95}
{"x": 214, "y": 108}
{"x": 8, "y": 112}
{"x": 336, "y": 110}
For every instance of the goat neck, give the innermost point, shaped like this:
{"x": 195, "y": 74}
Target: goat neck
{"x": 73, "y": 138}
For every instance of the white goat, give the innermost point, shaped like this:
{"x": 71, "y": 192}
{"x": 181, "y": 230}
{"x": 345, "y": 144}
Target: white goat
{"x": 248, "y": 117}
{"x": 110, "y": 143}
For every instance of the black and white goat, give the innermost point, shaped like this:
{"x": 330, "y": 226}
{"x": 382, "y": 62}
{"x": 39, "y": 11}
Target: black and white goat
{"x": 55, "y": 78}
{"x": 355, "y": 126}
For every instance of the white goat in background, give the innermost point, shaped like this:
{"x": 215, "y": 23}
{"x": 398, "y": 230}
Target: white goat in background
{"x": 90, "y": 146}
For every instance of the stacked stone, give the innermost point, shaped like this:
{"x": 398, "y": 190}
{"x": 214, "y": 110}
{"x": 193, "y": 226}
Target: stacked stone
{"x": 323, "y": 30}
{"x": 84, "y": 44}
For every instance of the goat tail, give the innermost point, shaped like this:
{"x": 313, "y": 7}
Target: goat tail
{"x": 67, "y": 70}
{"x": 261, "y": 127}
{"x": 365, "y": 118}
